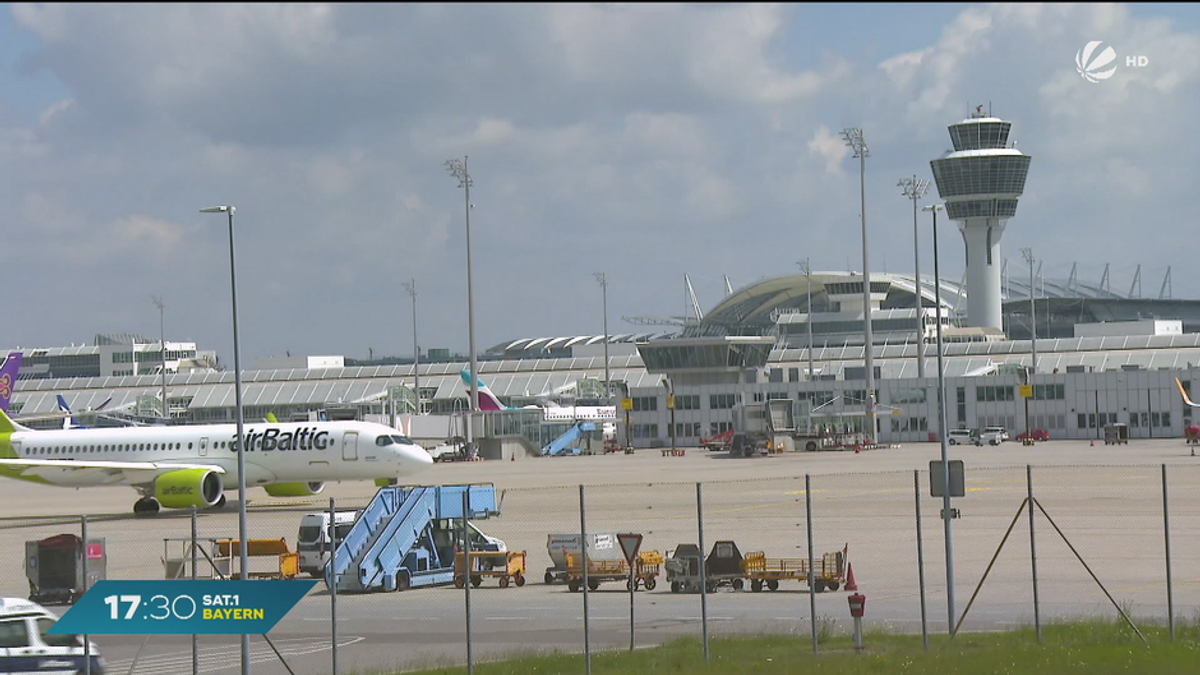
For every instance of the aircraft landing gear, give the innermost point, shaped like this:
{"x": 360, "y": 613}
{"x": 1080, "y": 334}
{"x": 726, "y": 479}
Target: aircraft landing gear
{"x": 146, "y": 506}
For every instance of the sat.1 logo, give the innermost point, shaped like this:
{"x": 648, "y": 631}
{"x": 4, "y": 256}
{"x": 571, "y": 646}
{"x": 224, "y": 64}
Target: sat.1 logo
{"x": 1095, "y": 64}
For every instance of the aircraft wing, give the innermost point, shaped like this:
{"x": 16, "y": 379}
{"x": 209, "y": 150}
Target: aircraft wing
{"x": 81, "y": 464}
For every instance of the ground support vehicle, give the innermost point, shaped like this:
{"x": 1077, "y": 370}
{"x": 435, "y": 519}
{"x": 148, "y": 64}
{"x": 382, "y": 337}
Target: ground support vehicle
{"x": 828, "y": 571}
{"x": 507, "y": 566}
{"x": 723, "y": 567}
{"x": 601, "y": 546}
{"x": 54, "y": 567}
{"x": 647, "y": 569}
{"x": 1192, "y": 434}
{"x": 28, "y": 646}
{"x": 407, "y": 537}
{"x": 719, "y": 441}
{"x": 1116, "y": 434}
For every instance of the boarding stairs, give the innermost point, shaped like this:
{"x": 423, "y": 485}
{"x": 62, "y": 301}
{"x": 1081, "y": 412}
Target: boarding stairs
{"x": 562, "y": 444}
{"x": 398, "y": 521}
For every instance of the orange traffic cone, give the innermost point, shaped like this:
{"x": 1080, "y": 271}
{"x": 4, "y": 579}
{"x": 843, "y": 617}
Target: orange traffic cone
{"x": 1092, "y": 443}
{"x": 850, "y": 583}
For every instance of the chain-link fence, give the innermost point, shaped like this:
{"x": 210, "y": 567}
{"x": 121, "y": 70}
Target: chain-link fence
{"x": 775, "y": 556}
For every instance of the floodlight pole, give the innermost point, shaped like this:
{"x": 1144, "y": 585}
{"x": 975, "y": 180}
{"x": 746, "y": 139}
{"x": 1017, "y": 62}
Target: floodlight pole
{"x": 600, "y": 277}
{"x": 807, "y": 269}
{"x": 943, "y": 423}
{"x": 854, "y": 138}
{"x": 243, "y": 560}
{"x": 1028, "y": 254}
{"x": 162, "y": 341}
{"x": 914, "y": 188}
{"x": 411, "y": 287}
{"x": 458, "y": 169}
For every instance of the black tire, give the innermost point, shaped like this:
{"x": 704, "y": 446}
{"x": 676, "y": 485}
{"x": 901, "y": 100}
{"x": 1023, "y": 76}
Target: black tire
{"x": 459, "y": 582}
{"x": 756, "y": 586}
{"x": 676, "y": 586}
{"x": 519, "y": 580}
{"x": 503, "y": 582}
{"x": 549, "y": 578}
{"x": 818, "y": 586}
{"x": 574, "y": 586}
{"x": 476, "y": 581}
{"x": 738, "y": 584}
{"x": 811, "y": 446}
{"x": 833, "y": 585}
{"x": 593, "y": 584}
{"x": 650, "y": 583}
{"x": 952, "y": 442}
{"x": 772, "y": 584}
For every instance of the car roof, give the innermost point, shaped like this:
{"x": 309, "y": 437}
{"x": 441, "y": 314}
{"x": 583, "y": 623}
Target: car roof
{"x": 10, "y": 606}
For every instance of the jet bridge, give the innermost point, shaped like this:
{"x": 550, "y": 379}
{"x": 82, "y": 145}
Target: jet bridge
{"x": 407, "y": 536}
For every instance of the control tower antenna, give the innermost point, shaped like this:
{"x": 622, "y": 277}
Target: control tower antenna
{"x": 981, "y": 181}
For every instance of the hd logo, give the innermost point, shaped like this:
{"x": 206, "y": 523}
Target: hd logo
{"x": 1094, "y": 64}
{"x": 304, "y": 438}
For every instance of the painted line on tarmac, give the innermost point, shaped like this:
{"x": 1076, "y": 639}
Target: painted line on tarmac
{"x": 223, "y": 658}
{"x": 1156, "y": 586}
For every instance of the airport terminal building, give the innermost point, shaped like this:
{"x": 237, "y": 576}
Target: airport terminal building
{"x": 753, "y": 344}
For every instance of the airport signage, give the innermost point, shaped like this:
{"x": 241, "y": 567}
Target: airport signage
{"x": 182, "y": 607}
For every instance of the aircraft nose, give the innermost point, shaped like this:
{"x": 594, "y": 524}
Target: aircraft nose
{"x": 416, "y": 455}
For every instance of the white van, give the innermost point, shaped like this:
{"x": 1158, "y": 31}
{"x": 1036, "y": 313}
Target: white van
{"x": 999, "y": 432}
{"x": 960, "y": 436}
{"x": 26, "y": 648}
{"x": 314, "y": 541}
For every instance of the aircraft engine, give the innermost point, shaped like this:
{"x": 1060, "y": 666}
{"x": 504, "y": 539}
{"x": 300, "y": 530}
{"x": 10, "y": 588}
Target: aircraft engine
{"x": 188, "y": 487}
{"x": 294, "y": 489}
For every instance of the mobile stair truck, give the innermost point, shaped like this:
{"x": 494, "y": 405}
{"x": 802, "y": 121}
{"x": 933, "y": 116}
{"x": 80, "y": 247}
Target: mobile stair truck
{"x": 407, "y": 537}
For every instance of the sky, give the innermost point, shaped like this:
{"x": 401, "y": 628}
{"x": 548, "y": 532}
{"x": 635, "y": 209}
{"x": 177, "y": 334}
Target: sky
{"x": 645, "y": 142}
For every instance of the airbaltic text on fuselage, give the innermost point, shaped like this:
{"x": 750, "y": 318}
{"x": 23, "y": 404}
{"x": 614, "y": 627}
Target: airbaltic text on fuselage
{"x": 304, "y": 438}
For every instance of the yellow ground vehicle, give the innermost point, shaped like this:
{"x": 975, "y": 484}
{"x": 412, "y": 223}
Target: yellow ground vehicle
{"x": 648, "y": 564}
{"x": 828, "y": 571}
{"x": 507, "y": 566}
{"x": 230, "y": 550}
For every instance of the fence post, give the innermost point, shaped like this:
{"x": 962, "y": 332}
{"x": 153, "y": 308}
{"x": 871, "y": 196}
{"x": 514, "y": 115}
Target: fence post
{"x": 587, "y": 644}
{"x": 1037, "y": 618}
{"x": 703, "y": 571}
{"x": 333, "y": 584}
{"x": 812, "y": 590}
{"x": 1167, "y": 543}
{"x": 195, "y": 559}
{"x": 467, "y": 577}
{"x": 920, "y": 557}
{"x": 87, "y": 644}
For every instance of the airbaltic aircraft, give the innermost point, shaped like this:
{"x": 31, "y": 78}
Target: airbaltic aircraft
{"x": 192, "y": 465}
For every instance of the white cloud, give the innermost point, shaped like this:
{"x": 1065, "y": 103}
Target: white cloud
{"x": 643, "y": 140}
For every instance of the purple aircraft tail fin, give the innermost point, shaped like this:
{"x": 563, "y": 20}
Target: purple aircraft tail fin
{"x": 8, "y": 378}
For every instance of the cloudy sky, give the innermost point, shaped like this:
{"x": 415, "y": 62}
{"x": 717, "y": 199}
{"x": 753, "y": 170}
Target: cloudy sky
{"x": 642, "y": 141}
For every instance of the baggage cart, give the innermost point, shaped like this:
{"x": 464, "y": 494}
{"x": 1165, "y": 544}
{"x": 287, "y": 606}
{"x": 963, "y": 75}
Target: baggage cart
{"x": 647, "y": 569}
{"x": 828, "y": 571}
{"x": 507, "y": 566}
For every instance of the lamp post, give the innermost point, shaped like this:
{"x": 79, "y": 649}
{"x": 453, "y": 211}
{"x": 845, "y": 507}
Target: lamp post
{"x": 162, "y": 341}
{"x": 600, "y": 277}
{"x": 458, "y": 169}
{"x": 807, "y": 270}
{"x": 914, "y": 188}
{"x": 241, "y": 454}
{"x": 854, "y": 138}
{"x": 1028, "y": 253}
{"x": 411, "y": 287}
{"x": 942, "y": 423}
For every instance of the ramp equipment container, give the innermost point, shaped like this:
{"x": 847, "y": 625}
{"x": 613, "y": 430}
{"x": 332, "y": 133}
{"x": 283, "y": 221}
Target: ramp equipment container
{"x": 723, "y": 567}
{"x": 507, "y": 566}
{"x": 288, "y": 562}
{"x": 407, "y": 538}
{"x": 54, "y": 568}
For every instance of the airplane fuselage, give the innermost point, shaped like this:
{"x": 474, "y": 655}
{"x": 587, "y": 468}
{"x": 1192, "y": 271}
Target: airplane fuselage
{"x": 275, "y": 453}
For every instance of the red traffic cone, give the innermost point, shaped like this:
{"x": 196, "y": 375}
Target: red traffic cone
{"x": 1092, "y": 443}
{"x": 850, "y": 583}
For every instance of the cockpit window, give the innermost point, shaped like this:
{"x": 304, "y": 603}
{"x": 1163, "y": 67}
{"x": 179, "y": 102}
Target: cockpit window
{"x": 402, "y": 440}
{"x": 383, "y": 441}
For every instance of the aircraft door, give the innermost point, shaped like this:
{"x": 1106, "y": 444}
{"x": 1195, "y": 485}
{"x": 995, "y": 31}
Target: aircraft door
{"x": 204, "y": 446}
{"x": 350, "y": 445}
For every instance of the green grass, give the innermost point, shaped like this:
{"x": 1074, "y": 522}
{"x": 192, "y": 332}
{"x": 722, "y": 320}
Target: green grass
{"x": 1085, "y": 648}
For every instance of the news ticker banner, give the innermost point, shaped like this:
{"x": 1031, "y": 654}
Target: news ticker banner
{"x": 182, "y": 607}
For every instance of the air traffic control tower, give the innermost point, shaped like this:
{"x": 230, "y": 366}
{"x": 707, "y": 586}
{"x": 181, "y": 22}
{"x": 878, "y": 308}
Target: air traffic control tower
{"x": 980, "y": 181}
